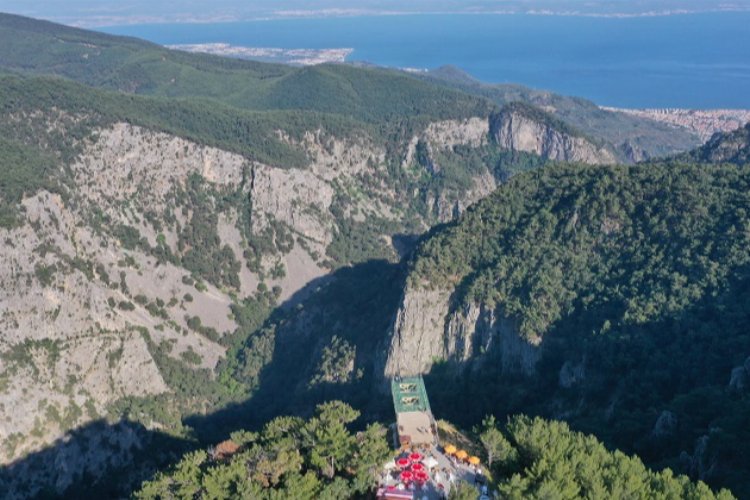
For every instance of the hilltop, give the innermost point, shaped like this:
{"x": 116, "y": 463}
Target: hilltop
{"x": 633, "y": 138}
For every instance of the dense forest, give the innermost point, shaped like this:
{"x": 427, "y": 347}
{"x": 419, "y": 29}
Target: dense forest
{"x": 633, "y": 280}
{"x": 289, "y": 458}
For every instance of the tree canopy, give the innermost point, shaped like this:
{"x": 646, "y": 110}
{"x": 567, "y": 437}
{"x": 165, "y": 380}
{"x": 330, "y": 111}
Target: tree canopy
{"x": 289, "y": 458}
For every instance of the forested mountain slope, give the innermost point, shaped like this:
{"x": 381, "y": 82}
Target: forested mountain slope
{"x": 366, "y": 93}
{"x": 134, "y": 66}
{"x": 615, "y": 298}
{"x": 144, "y": 240}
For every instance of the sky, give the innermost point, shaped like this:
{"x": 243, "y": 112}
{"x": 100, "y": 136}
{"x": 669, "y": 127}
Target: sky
{"x": 93, "y": 13}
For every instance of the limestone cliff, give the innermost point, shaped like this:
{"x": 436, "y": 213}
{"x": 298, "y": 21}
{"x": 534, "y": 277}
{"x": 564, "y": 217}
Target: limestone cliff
{"x": 520, "y": 127}
{"x": 104, "y": 282}
{"x": 723, "y": 147}
{"x": 442, "y": 138}
{"x": 427, "y": 329}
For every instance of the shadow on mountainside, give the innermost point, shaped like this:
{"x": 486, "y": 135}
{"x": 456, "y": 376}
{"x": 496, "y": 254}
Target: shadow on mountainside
{"x": 97, "y": 460}
{"x": 679, "y": 363}
{"x": 618, "y": 383}
{"x": 355, "y": 304}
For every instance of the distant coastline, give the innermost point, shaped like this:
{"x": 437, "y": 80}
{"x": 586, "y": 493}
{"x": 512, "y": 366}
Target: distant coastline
{"x": 704, "y": 122}
{"x": 299, "y": 57}
{"x": 691, "y": 62}
{"x": 112, "y": 21}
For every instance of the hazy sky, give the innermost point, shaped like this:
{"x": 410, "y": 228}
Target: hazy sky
{"x": 108, "y": 12}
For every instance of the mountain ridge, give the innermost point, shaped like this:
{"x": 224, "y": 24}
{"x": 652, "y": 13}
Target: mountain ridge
{"x": 148, "y": 69}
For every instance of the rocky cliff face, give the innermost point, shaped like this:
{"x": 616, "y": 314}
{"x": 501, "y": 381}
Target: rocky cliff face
{"x": 443, "y": 137}
{"x": 140, "y": 258}
{"x": 103, "y": 284}
{"x": 427, "y": 330}
{"x": 724, "y": 147}
{"x": 518, "y": 129}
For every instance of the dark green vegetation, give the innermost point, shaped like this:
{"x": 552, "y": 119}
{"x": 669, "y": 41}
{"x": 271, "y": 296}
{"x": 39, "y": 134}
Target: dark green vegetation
{"x": 26, "y": 172}
{"x": 128, "y": 65}
{"x": 322, "y": 458}
{"x": 369, "y": 95}
{"x": 631, "y": 272}
{"x": 535, "y": 458}
{"x": 288, "y": 458}
{"x": 635, "y": 280}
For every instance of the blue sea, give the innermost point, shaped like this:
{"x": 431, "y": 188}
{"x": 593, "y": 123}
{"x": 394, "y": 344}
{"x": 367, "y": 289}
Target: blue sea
{"x": 686, "y": 61}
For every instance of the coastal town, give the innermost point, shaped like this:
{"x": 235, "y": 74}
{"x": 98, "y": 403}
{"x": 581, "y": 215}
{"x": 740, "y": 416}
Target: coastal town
{"x": 703, "y": 122}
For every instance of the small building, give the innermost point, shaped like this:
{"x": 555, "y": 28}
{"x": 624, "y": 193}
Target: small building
{"x": 414, "y": 421}
{"x": 224, "y": 450}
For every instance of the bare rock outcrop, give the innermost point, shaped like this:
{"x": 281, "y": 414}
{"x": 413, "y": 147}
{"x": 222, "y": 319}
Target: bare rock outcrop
{"x": 447, "y": 134}
{"x": 418, "y": 333}
{"x": 94, "y": 288}
{"x": 665, "y": 425}
{"x": 426, "y": 330}
{"x": 739, "y": 379}
{"x": 571, "y": 374}
{"x": 523, "y": 128}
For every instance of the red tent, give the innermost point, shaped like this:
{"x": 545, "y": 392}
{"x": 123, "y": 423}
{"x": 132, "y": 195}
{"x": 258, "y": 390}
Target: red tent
{"x": 407, "y": 476}
{"x": 402, "y": 462}
{"x": 421, "y": 476}
{"x": 416, "y": 457}
{"x": 417, "y": 467}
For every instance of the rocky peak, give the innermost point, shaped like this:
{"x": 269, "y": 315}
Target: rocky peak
{"x": 520, "y": 127}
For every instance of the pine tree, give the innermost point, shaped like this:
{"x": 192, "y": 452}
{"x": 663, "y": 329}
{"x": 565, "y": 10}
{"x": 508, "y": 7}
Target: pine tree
{"x": 330, "y": 442}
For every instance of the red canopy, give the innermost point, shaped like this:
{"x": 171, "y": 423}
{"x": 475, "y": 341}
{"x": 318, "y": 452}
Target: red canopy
{"x": 415, "y": 457}
{"x": 417, "y": 467}
{"x": 402, "y": 462}
{"x": 407, "y": 475}
{"x": 421, "y": 476}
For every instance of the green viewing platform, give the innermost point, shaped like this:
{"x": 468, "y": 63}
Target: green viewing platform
{"x": 409, "y": 395}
